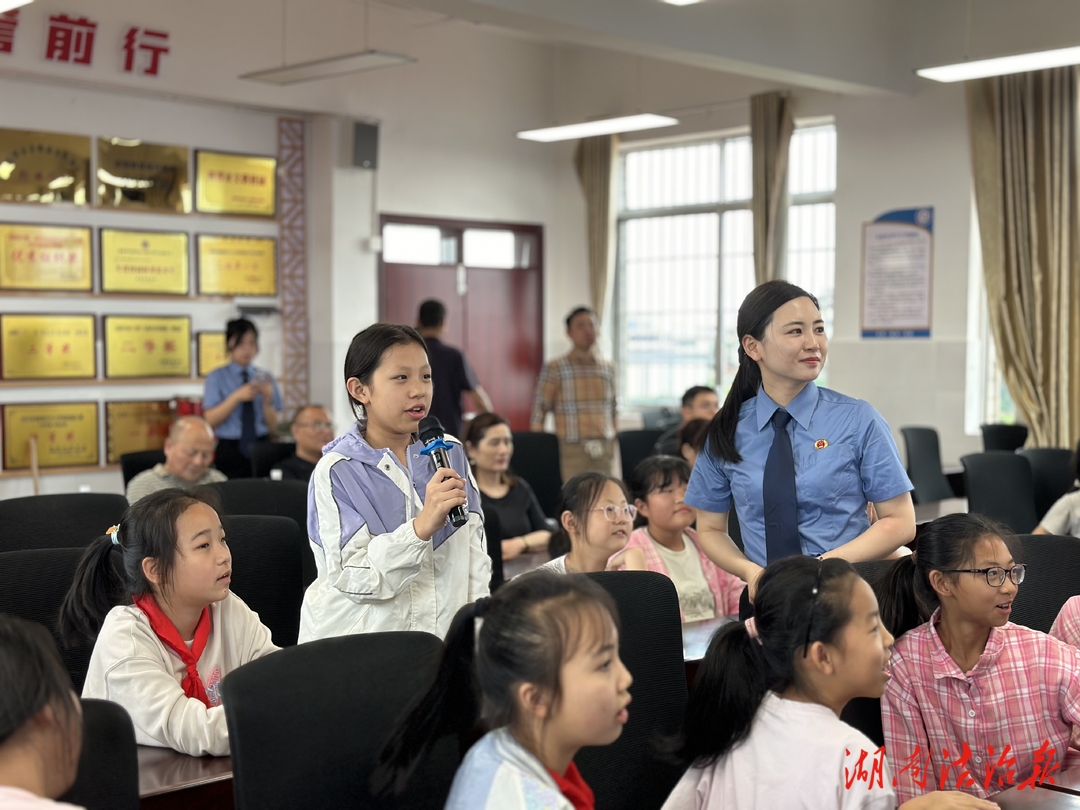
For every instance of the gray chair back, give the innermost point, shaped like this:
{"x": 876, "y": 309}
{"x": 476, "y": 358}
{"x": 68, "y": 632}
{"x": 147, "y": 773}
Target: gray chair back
{"x": 924, "y": 464}
{"x": 1000, "y": 486}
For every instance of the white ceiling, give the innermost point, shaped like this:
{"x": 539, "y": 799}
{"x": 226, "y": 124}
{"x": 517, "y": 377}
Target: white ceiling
{"x": 847, "y": 46}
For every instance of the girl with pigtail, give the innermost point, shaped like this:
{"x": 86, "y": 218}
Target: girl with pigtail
{"x": 763, "y": 728}
{"x": 543, "y": 670}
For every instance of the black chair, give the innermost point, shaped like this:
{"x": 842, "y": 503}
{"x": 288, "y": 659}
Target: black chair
{"x": 536, "y": 459}
{"x": 1009, "y": 438}
{"x": 259, "y": 496}
{"x": 334, "y": 703}
{"x": 924, "y": 464}
{"x": 660, "y": 419}
{"x": 267, "y": 570}
{"x": 1053, "y": 576}
{"x": 131, "y": 464}
{"x": 109, "y": 764}
{"x": 1000, "y": 486}
{"x": 493, "y": 536}
{"x": 265, "y": 455}
{"x": 33, "y": 584}
{"x": 873, "y": 570}
{"x": 628, "y": 774}
{"x": 1053, "y": 473}
{"x": 58, "y": 521}
{"x": 635, "y": 446}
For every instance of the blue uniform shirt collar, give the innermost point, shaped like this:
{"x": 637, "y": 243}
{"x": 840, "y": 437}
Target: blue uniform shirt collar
{"x": 801, "y": 408}
{"x": 237, "y": 369}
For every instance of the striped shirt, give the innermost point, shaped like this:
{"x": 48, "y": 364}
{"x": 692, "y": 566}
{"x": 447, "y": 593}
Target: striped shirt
{"x": 1023, "y": 691}
{"x": 580, "y": 388}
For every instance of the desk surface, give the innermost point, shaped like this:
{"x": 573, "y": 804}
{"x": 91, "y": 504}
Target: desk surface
{"x": 1016, "y": 799}
{"x": 162, "y": 770}
{"x": 925, "y": 512}
{"x": 696, "y": 636}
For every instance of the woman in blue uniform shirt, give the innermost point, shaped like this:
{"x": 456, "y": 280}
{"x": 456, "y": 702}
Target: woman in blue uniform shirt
{"x": 798, "y": 463}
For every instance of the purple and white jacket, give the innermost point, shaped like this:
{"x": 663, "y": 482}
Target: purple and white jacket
{"x": 374, "y": 573}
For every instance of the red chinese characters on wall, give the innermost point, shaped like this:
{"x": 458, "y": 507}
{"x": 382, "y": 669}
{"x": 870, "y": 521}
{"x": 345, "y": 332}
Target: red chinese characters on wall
{"x": 8, "y": 21}
{"x": 70, "y": 40}
{"x": 147, "y": 43}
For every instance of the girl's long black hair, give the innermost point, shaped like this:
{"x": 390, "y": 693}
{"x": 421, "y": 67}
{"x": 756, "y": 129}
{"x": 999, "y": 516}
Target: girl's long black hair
{"x": 737, "y": 671}
{"x": 755, "y": 315}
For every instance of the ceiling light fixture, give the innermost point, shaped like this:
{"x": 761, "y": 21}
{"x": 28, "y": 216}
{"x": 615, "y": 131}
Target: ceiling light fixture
{"x": 327, "y": 68}
{"x": 1002, "y": 65}
{"x": 681, "y": 2}
{"x": 8, "y": 5}
{"x": 606, "y": 126}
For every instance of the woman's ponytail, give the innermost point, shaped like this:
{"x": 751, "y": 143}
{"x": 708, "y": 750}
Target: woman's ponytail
{"x": 730, "y": 686}
{"x": 451, "y": 704}
{"x": 96, "y": 589}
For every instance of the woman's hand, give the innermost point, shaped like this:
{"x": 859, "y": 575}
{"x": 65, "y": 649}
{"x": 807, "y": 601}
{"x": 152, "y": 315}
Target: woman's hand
{"x": 246, "y": 392}
{"x": 444, "y": 491}
{"x": 948, "y": 800}
{"x": 513, "y": 547}
{"x": 629, "y": 559}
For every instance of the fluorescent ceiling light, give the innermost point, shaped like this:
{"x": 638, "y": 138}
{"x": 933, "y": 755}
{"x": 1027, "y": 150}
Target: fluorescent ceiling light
{"x": 326, "y": 68}
{"x": 681, "y": 2}
{"x": 606, "y": 126}
{"x": 1002, "y": 65}
{"x": 8, "y": 5}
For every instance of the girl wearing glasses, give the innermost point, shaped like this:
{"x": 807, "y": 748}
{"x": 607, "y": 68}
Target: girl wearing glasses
{"x": 1000, "y": 698}
{"x": 762, "y": 727}
{"x": 595, "y": 520}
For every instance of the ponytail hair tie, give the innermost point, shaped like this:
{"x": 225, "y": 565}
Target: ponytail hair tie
{"x": 114, "y": 533}
{"x": 751, "y": 629}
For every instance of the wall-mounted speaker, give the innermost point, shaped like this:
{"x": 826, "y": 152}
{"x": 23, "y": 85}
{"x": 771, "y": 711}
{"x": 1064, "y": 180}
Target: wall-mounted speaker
{"x": 365, "y": 146}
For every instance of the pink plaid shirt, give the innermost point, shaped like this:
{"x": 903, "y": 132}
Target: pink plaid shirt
{"x": 1024, "y": 690}
{"x": 1067, "y": 624}
{"x": 727, "y": 588}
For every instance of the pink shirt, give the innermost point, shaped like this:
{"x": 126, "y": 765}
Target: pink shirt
{"x": 727, "y": 588}
{"x": 1024, "y": 690}
{"x": 1067, "y": 624}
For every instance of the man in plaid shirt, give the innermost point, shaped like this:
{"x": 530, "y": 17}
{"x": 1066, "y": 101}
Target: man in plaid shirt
{"x": 580, "y": 389}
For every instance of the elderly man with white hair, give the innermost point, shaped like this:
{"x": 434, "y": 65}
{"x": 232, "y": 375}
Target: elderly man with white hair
{"x": 189, "y": 452}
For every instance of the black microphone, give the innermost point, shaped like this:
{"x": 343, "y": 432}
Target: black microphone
{"x": 431, "y": 434}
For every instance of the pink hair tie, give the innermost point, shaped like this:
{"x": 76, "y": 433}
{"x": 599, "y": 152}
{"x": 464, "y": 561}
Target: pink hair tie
{"x": 751, "y": 629}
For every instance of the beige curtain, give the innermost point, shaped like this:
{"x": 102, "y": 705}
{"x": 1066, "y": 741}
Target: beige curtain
{"x": 771, "y": 125}
{"x": 1023, "y": 132}
{"x": 595, "y": 161}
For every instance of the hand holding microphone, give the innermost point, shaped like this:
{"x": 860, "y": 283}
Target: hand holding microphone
{"x": 445, "y": 495}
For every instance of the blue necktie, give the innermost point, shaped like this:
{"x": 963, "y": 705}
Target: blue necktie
{"x": 778, "y": 494}
{"x": 247, "y": 421}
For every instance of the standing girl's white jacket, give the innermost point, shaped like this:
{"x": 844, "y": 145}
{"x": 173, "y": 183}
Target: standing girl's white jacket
{"x": 374, "y": 572}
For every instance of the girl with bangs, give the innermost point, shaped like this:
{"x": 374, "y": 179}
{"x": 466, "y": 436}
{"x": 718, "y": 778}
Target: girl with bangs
{"x": 546, "y": 666}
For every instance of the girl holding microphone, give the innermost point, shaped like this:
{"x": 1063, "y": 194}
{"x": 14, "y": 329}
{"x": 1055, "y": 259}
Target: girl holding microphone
{"x": 798, "y": 463}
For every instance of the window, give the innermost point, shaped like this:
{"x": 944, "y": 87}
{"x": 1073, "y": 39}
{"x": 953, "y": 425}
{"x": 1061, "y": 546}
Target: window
{"x": 686, "y": 256}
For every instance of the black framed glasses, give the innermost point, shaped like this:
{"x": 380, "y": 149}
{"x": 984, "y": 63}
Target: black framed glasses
{"x": 813, "y": 604}
{"x": 995, "y": 577}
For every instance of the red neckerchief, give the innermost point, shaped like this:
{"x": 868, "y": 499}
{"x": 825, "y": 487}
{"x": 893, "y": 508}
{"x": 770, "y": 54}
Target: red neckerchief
{"x": 165, "y": 630}
{"x": 573, "y": 787}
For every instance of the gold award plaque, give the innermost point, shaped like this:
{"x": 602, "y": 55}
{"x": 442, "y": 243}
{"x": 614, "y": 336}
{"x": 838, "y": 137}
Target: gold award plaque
{"x": 212, "y": 352}
{"x": 142, "y": 176}
{"x": 43, "y": 167}
{"x": 40, "y": 257}
{"x": 144, "y": 262}
{"x": 235, "y": 184}
{"x": 138, "y": 346}
{"x": 131, "y": 427}
{"x": 66, "y": 432}
{"x": 47, "y": 347}
{"x": 237, "y": 265}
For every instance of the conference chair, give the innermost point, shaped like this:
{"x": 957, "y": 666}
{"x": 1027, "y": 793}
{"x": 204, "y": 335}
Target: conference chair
{"x": 493, "y": 537}
{"x": 268, "y": 570}
{"x": 1000, "y": 486}
{"x": 924, "y": 464}
{"x": 1009, "y": 438}
{"x": 628, "y": 774}
{"x": 635, "y": 446}
{"x": 1053, "y": 472}
{"x": 131, "y": 464}
{"x": 58, "y": 521}
{"x": 265, "y": 455}
{"x": 307, "y": 724}
{"x": 660, "y": 418}
{"x": 536, "y": 459}
{"x": 108, "y": 776}
{"x": 1053, "y": 576}
{"x": 33, "y": 584}
{"x": 260, "y": 496}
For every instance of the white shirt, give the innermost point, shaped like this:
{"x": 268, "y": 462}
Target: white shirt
{"x": 696, "y": 598}
{"x": 131, "y": 666}
{"x": 794, "y": 758}
{"x": 1064, "y": 516}
{"x": 18, "y": 799}
{"x": 499, "y": 774}
{"x": 556, "y": 566}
